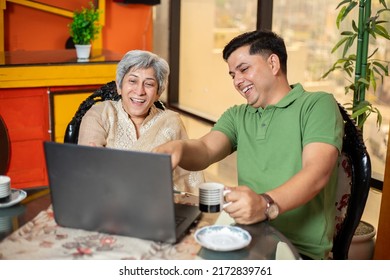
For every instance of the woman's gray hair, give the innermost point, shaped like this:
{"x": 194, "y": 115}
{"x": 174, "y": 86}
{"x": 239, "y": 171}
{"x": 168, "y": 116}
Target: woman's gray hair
{"x": 138, "y": 59}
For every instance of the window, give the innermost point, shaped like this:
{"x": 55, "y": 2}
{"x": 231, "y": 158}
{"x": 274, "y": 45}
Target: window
{"x": 310, "y": 33}
{"x": 204, "y": 85}
{"x": 199, "y": 80}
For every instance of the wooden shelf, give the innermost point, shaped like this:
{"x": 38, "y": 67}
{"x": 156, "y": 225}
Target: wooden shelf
{"x": 21, "y": 69}
{"x": 33, "y": 86}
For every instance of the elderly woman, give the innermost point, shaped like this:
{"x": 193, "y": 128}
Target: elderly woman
{"x": 134, "y": 122}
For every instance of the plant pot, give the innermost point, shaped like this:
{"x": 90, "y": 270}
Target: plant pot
{"x": 83, "y": 52}
{"x": 363, "y": 242}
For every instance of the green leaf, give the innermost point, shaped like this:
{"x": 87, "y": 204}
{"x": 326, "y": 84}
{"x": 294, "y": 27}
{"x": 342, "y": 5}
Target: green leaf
{"x": 371, "y": 55}
{"x": 347, "y": 33}
{"x": 342, "y": 3}
{"x": 354, "y": 26}
{"x": 363, "y": 104}
{"x": 382, "y": 10}
{"x": 339, "y": 43}
{"x": 352, "y": 39}
{"x": 349, "y": 8}
{"x": 378, "y": 118}
{"x": 363, "y": 81}
{"x": 340, "y": 17}
{"x": 348, "y": 44}
{"x": 384, "y": 68}
{"x": 352, "y": 56}
{"x": 383, "y": 2}
{"x": 380, "y": 74}
{"x": 381, "y": 31}
{"x": 359, "y": 112}
{"x": 327, "y": 73}
{"x": 381, "y": 21}
{"x": 373, "y": 80}
{"x": 372, "y": 33}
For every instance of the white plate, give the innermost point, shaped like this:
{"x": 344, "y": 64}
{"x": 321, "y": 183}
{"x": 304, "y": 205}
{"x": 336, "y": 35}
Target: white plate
{"x": 16, "y": 197}
{"x": 222, "y": 238}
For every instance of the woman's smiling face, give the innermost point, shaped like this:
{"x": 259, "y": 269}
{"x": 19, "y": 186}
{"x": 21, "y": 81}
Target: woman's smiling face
{"x": 139, "y": 91}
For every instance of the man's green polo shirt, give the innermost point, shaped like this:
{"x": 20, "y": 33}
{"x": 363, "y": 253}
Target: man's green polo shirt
{"x": 269, "y": 144}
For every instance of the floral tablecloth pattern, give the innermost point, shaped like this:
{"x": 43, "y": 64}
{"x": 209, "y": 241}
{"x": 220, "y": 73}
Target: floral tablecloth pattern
{"x": 42, "y": 238}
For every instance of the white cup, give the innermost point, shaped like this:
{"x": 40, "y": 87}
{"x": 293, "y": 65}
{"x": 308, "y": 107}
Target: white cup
{"x": 212, "y": 197}
{"x": 5, "y": 188}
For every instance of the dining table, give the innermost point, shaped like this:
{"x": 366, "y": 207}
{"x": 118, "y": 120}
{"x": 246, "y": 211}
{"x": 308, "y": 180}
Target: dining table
{"x": 28, "y": 231}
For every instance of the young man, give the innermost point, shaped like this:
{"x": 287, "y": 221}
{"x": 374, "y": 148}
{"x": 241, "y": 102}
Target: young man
{"x": 287, "y": 140}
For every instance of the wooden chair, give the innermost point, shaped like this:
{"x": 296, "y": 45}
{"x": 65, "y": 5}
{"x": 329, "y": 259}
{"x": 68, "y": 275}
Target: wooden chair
{"x": 106, "y": 92}
{"x": 353, "y": 187}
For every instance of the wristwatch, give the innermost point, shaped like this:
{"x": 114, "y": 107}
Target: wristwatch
{"x": 272, "y": 209}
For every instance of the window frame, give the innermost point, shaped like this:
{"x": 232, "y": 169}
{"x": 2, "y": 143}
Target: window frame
{"x": 264, "y": 21}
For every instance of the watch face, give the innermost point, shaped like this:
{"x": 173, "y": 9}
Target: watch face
{"x": 273, "y": 211}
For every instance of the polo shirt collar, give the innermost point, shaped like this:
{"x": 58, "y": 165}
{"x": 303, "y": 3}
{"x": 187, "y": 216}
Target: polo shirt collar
{"x": 295, "y": 92}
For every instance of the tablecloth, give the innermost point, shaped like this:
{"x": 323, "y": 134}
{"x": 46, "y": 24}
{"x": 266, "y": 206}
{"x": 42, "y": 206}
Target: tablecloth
{"x": 42, "y": 238}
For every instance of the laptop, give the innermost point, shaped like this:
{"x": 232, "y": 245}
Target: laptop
{"x": 116, "y": 191}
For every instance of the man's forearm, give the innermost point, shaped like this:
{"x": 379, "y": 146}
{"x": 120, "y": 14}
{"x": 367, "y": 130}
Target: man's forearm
{"x": 195, "y": 155}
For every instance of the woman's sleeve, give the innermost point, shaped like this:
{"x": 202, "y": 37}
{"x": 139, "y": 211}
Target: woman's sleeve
{"x": 185, "y": 180}
{"x": 92, "y": 130}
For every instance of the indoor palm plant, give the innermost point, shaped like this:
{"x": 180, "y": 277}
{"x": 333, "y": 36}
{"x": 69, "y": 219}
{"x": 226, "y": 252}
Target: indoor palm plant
{"x": 84, "y": 29}
{"x": 362, "y": 68}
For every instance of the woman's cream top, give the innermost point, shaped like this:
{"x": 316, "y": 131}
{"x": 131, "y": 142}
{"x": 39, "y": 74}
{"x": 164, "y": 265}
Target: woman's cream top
{"x": 107, "y": 124}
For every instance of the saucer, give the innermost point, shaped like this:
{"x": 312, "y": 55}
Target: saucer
{"x": 222, "y": 238}
{"x": 16, "y": 197}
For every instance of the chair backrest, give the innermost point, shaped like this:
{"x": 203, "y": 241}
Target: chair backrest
{"x": 106, "y": 92}
{"x": 353, "y": 186}
{"x": 5, "y": 147}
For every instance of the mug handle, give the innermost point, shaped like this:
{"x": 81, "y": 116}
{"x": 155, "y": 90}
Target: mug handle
{"x": 227, "y": 203}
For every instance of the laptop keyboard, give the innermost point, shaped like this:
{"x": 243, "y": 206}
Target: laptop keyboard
{"x": 179, "y": 220}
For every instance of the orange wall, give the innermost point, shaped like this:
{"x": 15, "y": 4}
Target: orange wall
{"x": 127, "y": 27}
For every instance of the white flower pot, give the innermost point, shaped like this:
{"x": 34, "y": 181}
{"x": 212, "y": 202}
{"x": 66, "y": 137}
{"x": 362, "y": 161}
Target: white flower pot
{"x": 363, "y": 242}
{"x": 83, "y": 52}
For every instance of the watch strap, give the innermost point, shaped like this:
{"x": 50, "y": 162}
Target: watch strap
{"x": 267, "y": 198}
{"x": 270, "y": 204}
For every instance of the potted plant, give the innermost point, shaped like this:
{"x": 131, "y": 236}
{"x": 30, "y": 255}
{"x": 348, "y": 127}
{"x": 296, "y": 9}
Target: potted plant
{"x": 363, "y": 242}
{"x": 362, "y": 68}
{"x": 84, "y": 29}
